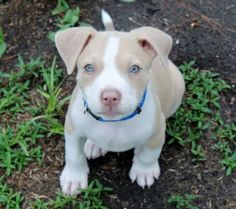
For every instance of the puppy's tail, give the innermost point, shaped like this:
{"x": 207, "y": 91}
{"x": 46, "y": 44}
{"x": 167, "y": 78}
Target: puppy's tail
{"x": 107, "y": 21}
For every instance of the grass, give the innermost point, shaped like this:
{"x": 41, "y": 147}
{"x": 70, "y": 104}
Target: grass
{"x": 8, "y": 198}
{"x": 30, "y": 112}
{"x": 18, "y": 135}
{"x": 182, "y": 202}
{"x": 51, "y": 92}
{"x": 3, "y": 45}
{"x": 200, "y": 114}
{"x": 62, "y": 6}
{"x": 68, "y": 17}
{"x": 90, "y": 198}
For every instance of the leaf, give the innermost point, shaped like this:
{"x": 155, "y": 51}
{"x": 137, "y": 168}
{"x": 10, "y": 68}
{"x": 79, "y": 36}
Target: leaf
{"x": 70, "y": 19}
{"x": 3, "y": 45}
{"x": 61, "y": 7}
{"x": 51, "y": 36}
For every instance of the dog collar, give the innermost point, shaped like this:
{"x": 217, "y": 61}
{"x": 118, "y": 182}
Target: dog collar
{"x": 137, "y": 111}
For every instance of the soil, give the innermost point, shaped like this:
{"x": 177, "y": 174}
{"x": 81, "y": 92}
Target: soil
{"x": 202, "y": 30}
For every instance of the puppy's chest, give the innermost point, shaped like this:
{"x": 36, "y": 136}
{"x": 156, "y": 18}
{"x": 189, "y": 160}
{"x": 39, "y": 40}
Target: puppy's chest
{"x": 115, "y": 136}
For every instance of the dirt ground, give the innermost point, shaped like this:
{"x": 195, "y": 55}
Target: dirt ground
{"x": 202, "y": 30}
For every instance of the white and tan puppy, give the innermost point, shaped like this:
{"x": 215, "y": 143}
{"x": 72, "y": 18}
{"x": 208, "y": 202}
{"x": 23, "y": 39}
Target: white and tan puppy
{"x": 126, "y": 89}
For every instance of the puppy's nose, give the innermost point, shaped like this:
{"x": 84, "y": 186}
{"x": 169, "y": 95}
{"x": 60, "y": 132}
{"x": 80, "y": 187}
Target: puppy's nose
{"x": 110, "y": 97}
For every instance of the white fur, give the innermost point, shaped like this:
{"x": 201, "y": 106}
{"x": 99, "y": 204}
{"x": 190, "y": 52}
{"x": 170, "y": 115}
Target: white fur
{"x": 75, "y": 172}
{"x": 145, "y": 166}
{"x": 106, "y": 18}
{"x": 118, "y": 136}
{"x": 92, "y": 151}
{"x": 110, "y": 137}
{"x": 111, "y": 78}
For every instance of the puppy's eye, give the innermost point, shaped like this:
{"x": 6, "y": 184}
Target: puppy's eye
{"x": 134, "y": 69}
{"x": 89, "y": 68}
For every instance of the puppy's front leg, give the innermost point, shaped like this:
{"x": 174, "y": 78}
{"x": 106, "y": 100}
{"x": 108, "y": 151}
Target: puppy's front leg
{"x": 75, "y": 173}
{"x": 145, "y": 168}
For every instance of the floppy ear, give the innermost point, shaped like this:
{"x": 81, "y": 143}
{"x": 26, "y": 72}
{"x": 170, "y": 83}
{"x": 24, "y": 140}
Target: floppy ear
{"x": 154, "y": 42}
{"x": 71, "y": 42}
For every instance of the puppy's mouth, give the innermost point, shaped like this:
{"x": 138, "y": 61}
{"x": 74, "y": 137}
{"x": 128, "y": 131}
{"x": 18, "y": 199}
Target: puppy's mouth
{"x": 111, "y": 113}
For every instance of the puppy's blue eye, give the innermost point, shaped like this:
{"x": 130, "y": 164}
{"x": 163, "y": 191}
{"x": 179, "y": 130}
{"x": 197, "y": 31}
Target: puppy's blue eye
{"x": 89, "y": 68}
{"x": 134, "y": 69}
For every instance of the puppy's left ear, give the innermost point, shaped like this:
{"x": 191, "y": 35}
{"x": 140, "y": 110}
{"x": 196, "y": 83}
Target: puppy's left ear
{"x": 155, "y": 42}
{"x": 71, "y": 42}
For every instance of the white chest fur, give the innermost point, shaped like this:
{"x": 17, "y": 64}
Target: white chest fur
{"x": 115, "y": 136}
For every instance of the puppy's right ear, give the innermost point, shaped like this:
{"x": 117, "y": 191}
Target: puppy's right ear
{"x": 71, "y": 42}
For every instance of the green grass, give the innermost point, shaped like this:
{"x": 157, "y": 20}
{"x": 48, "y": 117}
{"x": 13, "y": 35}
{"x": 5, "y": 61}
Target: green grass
{"x": 18, "y": 135}
{"x": 226, "y": 143}
{"x": 62, "y": 6}
{"x": 200, "y": 112}
{"x": 31, "y": 108}
{"x": 90, "y": 198}
{"x": 68, "y": 17}
{"x": 18, "y": 146}
{"x": 182, "y": 202}
{"x": 30, "y": 111}
{"x": 51, "y": 92}
{"x": 8, "y": 198}
{"x": 54, "y": 101}
{"x": 3, "y": 45}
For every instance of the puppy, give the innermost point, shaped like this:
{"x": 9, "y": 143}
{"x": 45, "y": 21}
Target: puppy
{"x": 126, "y": 89}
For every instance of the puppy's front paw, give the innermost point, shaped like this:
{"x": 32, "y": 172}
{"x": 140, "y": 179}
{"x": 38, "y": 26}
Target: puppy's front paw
{"x": 144, "y": 174}
{"x": 92, "y": 151}
{"x": 72, "y": 180}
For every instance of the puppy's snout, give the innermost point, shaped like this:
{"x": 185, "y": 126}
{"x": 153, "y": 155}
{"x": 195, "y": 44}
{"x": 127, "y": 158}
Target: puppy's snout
{"x": 110, "y": 97}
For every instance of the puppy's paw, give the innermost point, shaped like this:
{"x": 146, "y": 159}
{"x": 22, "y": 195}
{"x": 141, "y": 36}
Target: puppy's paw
{"x": 144, "y": 174}
{"x": 72, "y": 180}
{"x": 92, "y": 151}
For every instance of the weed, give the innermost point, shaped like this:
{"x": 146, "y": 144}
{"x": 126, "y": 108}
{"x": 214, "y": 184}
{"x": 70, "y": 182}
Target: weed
{"x": 3, "y": 45}
{"x": 69, "y": 19}
{"x": 230, "y": 162}
{"x": 182, "y": 202}
{"x": 229, "y": 156}
{"x": 18, "y": 131}
{"x": 54, "y": 102}
{"x": 61, "y": 7}
{"x": 15, "y": 85}
{"x": 50, "y": 91}
{"x": 18, "y": 135}
{"x": 197, "y": 113}
{"x": 90, "y": 198}
{"x": 16, "y": 145}
{"x": 9, "y": 199}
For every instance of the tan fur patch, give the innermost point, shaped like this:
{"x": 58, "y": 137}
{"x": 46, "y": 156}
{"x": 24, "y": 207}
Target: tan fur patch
{"x": 69, "y": 127}
{"x": 131, "y": 53}
{"x": 158, "y": 137}
{"x": 90, "y": 55}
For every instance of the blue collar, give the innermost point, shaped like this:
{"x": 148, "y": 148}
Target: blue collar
{"x": 131, "y": 115}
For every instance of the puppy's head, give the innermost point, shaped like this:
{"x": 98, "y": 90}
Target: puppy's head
{"x": 112, "y": 67}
